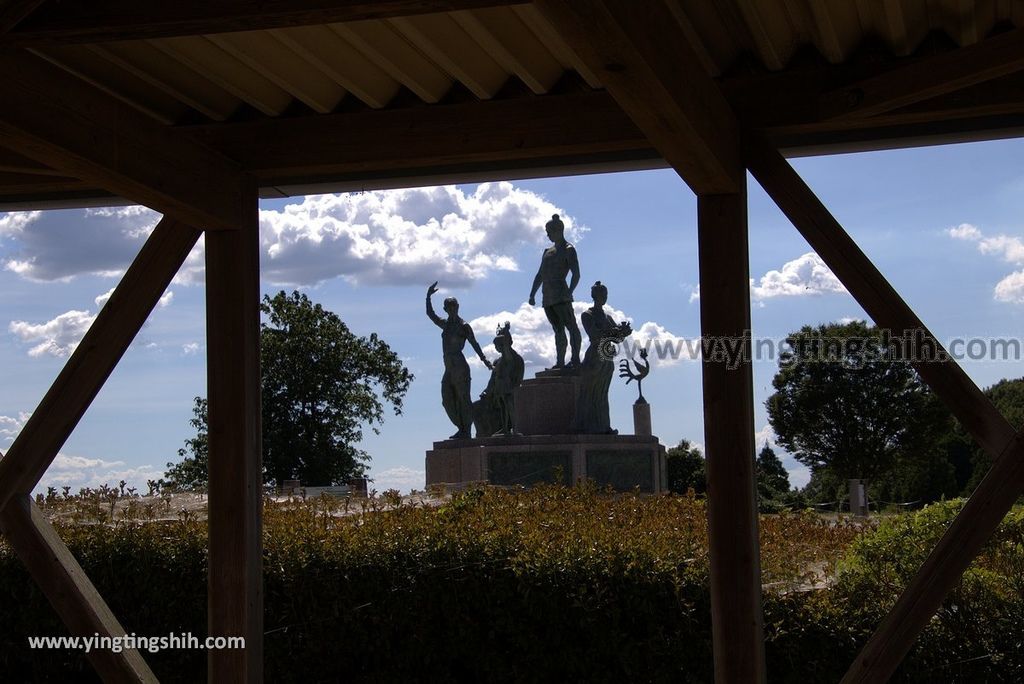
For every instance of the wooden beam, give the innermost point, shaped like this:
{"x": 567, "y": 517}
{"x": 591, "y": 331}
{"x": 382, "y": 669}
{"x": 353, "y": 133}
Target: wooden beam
{"x": 641, "y": 55}
{"x": 13, "y": 12}
{"x": 109, "y": 20}
{"x": 873, "y": 292}
{"x": 235, "y": 458}
{"x": 95, "y": 357}
{"x": 62, "y": 122}
{"x": 927, "y": 78}
{"x": 527, "y": 137}
{"x": 736, "y": 616}
{"x": 69, "y": 590}
{"x": 434, "y": 137}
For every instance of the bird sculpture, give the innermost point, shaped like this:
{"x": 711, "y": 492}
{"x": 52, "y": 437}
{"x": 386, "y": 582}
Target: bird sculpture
{"x": 643, "y": 367}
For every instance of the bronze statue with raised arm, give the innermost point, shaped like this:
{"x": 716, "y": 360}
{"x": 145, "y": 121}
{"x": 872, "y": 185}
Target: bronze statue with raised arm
{"x": 455, "y": 383}
{"x": 558, "y": 262}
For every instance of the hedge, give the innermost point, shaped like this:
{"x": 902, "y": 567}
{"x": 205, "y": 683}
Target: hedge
{"x": 551, "y": 583}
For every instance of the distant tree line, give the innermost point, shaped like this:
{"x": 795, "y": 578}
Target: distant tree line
{"x": 849, "y": 405}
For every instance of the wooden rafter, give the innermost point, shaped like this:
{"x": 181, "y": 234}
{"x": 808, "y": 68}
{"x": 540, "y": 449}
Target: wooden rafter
{"x": 641, "y": 55}
{"x": 95, "y": 357}
{"x": 13, "y": 12}
{"x": 69, "y": 590}
{"x": 108, "y": 20}
{"x": 1004, "y": 482}
{"x": 63, "y": 122}
{"x": 376, "y": 143}
{"x": 928, "y": 78}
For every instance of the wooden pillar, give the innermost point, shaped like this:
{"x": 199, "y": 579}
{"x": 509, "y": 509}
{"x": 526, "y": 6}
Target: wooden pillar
{"x": 235, "y": 468}
{"x": 737, "y": 622}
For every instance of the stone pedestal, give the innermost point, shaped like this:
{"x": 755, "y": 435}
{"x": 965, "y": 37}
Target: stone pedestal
{"x": 546, "y": 450}
{"x": 642, "y": 419}
{"x": 546, "y": 405}
{"x": 622, "y": 461}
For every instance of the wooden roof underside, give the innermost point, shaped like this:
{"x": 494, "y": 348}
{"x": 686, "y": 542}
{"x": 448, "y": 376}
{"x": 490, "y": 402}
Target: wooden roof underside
{"x": 315, "y": 96}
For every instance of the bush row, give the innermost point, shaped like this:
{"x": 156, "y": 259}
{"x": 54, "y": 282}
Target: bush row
{"x": 497, "y": 585}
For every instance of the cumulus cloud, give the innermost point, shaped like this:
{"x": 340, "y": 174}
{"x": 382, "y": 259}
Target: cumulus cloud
{"x": 401, "y": 478}
{"x": 1006, "y": 247}
{"x": 535, "y": 341}
{"x": 804, "y": 276}
{"x": 10, "y": 426}
{"x": 60, "y": 336}
{"x": 56, "y": 337}
{"x": 78, "y": 471}
{"x": 59, "y": 245}
{"x": 405, "y": 236}
{"x": 387, "y": 237}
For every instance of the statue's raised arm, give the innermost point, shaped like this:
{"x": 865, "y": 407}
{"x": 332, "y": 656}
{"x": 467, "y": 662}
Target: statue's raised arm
{"x": 430, "y": 307}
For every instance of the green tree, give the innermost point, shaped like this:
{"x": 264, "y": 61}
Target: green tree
{"x": 845, "y": 400}
{"x": 686, "y": 469}
{"x": 190, "y": 472}
{"x": 320, "y": 385}
{"x": 772, "y": 478}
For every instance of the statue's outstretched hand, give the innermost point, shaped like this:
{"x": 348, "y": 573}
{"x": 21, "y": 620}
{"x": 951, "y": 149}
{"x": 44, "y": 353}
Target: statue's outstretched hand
{"x": 432, "y": 289}
{"x": 532, "y": 301}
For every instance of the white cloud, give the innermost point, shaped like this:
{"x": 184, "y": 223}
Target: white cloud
{"x": 1008, "y": 248}
{"x": 804, "y": 276}
{"x": 965, "y": 231}
{"x": 534, "y": 339}
{"x": 401, "y": 478}
{"x": 766, "y": 435}
{"x": 384, "y": 237}
{"x": 59, "y": 245}
{"x": 78, "y": 472}
{"x": 57, "y": 337}
{"x": 60, "y": 336}
{"x": 1011, "y": 288}
{"x": 190, "y": 349}
{"x": 405, "y": 236}
{"x": 10, "y": 426}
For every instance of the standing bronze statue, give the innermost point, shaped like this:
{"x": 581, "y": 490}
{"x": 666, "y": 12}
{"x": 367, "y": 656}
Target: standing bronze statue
{"x": 455, "y": 383}
{"x": 495, "y": 413}
{"x": 557, "y": 262}
{"x": 592, "y": 414}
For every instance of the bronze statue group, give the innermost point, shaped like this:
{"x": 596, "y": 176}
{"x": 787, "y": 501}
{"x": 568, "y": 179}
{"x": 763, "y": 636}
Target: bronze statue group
{"x": 494, "y": 413}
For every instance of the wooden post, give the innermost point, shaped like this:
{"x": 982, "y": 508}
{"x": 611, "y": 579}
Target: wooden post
{"x": 235, "y": 467}
{"x": 737, "y": 622}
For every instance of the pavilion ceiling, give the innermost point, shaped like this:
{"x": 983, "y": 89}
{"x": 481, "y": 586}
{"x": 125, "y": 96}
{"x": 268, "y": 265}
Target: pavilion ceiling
{"x": 315, "y": 95}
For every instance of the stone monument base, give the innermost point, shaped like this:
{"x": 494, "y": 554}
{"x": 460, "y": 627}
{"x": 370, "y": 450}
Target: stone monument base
{"x": 622, "y": 461}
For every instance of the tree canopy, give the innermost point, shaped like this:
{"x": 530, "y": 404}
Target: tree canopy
{"x": 685, "y": 468}
{"x": 320, "y": 385}
{"x": 845, "y": 400}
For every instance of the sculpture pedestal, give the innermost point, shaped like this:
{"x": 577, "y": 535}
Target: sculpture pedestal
{"x": 546, "y": 405}
{"x": 622, "y": 461}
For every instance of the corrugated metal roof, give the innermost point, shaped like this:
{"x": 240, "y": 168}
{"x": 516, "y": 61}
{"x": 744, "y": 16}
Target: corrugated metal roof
{"x": 369, "y": 63}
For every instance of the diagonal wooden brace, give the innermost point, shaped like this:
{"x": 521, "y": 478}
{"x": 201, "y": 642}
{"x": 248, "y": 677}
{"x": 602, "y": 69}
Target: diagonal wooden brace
{"x": 92, "y": 362}
{"x": 70, "y": 592}
{"x": 873, "y": 292}
{"x": 1000, "y": 488}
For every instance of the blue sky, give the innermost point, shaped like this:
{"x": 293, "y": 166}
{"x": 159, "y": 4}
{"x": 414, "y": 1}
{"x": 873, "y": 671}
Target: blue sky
{"x": 944, "y": 224}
